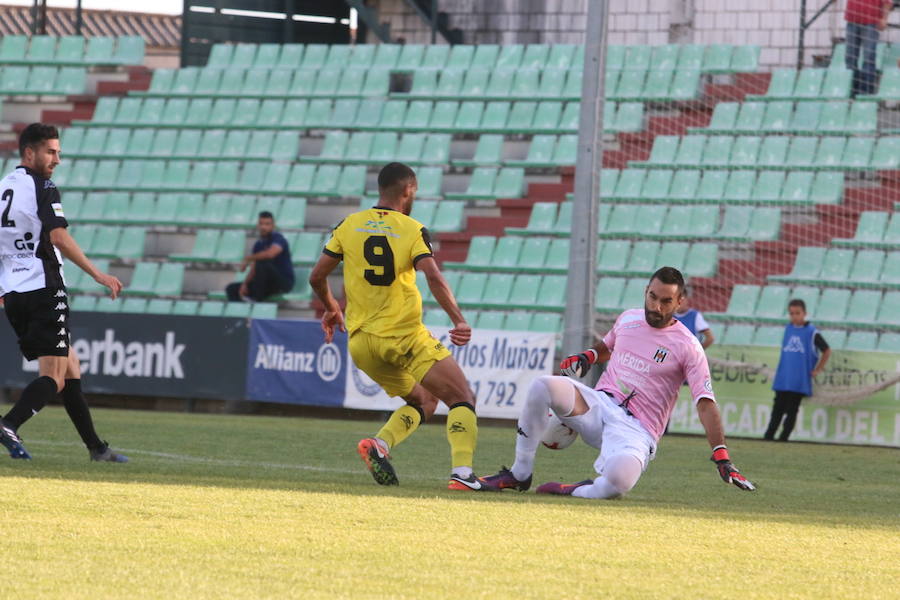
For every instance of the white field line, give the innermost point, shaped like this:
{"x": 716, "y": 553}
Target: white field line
{"x": 187, "y": 458}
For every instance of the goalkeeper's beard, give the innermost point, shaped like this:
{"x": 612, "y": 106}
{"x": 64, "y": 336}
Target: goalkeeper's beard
{"x": 656, "y": 319}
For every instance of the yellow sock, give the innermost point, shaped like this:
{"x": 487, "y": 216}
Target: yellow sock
{"x": 402, "y": 423}
{"x": 462, "y": 433}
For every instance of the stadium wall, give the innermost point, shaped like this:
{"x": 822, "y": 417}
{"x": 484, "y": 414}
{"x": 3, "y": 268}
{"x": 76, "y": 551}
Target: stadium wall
{"x": 771, "y": 24}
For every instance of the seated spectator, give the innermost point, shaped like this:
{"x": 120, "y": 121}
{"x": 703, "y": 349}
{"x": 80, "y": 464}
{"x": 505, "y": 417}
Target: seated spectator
{"x": 271, "y": 272}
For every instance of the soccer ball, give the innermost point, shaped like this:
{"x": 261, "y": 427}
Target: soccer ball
{"x": 558, "y": 434}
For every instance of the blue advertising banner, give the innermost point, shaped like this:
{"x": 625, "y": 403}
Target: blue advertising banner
{"x": 289, "y": 362}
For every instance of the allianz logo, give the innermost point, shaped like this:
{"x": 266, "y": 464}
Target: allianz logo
{"x": 326, "y": 362}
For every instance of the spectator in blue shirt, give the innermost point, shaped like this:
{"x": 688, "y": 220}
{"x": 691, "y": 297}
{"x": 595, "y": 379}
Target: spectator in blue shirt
{"x": 271, "y": 271}
{"x": 693, "y": 319}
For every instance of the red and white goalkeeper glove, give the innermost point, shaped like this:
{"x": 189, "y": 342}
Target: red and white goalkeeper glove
{"x": 577, "y": 365}
{"x": 728, "y": 472}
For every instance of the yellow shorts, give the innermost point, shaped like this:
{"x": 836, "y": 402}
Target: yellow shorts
{"x": 397, "y": 364}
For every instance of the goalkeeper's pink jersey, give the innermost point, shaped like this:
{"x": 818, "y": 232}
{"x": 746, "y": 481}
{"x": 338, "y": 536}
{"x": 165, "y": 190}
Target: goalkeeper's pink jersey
{"x": 649, "y": 365}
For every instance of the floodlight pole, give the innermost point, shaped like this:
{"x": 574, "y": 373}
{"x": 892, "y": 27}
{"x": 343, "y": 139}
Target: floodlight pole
{"x": 579, "y": 315}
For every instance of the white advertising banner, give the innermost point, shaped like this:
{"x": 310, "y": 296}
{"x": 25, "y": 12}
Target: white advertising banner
{"x": 500, "y": 365}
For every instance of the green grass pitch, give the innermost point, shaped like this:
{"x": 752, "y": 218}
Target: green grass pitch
{"x": 258, "y": 507}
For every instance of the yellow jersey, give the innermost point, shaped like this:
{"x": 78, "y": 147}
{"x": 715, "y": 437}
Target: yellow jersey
{"x": 380, "y": 247}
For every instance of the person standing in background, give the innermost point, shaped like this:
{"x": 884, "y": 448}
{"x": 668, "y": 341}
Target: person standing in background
{"x": 804, "y": 354}
{"x": 865, "y": 19}
{"x": 693, "y": 319}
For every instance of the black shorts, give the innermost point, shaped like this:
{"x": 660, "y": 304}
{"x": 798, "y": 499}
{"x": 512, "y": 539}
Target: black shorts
{"x": 41, "y": 321}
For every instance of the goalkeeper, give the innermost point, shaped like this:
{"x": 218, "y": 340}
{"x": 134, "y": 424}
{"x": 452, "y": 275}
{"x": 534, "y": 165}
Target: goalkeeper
{"x": 650, "y": 355}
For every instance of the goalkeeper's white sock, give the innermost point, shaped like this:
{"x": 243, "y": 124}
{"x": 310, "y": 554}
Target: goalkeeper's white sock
{"x": 532, "y": 425}
{"x": 619, "y": 476}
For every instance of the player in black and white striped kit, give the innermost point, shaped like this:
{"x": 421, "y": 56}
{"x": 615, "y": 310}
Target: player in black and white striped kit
{"x": 33, "y": 240}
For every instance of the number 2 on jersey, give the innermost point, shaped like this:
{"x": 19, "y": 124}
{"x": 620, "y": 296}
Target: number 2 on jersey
{"x": 5, "y": 220}
{"x": 384, "y": 259}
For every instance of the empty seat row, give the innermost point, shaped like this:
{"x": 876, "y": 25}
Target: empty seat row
{"x": 182, "y": 209}
{"x": 679, "y": 221}
{"x": 438, "y": 217}
{"x": 660, "y": 221}
{"x": 215, "y": 246}
{"x": 784, "y": 116}
{"x": 538, "y": 322}
{"x": 71, "y": 50}
{"x": 47, "y": 81}
{"x": 719, "y": 185}
{"x": 808, "y": 84}
{"x": 189, "y": 144}
{"x": 490, "y": 183}
{"x": 774, "y": 152}
{"x": 740, "y": 334}
{"x": 871, "y": 309}
{"x": 155, "y": 279}
{"x": 110, "y": 242}
{"x": 718, "y": 58}
{"x": 505, "y": 291}
{"x": 844, "y": 267}
{"x": 394, "y": 56}
{"x": 543, "y": 151}
{"x": 372, "y": 114}
{"x": 614, "y": 257}
{"x": 526, "y": 84}
{"x": 366, "y": 147}
{"x": 328, "y": 82}
{"x": 208, "y": 176}
{"x": 163, "y": 306}
{"x": 875, "y": 229}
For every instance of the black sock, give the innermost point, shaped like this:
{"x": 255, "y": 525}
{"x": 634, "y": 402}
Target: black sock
{"x": 34, "y": 397}
{"x": 80, "y": 414}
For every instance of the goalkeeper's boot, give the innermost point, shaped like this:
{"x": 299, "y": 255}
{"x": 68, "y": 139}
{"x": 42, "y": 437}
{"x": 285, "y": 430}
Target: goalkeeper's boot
{"x": 561, "y": 489}
{"x": 377, "y": 462}
{"x": 506, "y": 480}
{"x": 10, "y": 440}
{"x": 104, "y": 454}
{"x": 470, "y": 484}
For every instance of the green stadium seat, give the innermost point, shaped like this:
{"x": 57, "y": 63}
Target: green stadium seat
{"x": 608, "y": 296}
{"x": 836, "y": 266}
{"x": 211, "y": 308}
{"x": 525, "y": 290}
{"x": 612, "y": 256}
{"x": 533, "y": 254}
{"x": 869, "y": 230}
{"x": 862, "y": 341}
{"x": 833, "y": 305}
{"x": 743, "y": 301}
{"x": 702, "y": 260}
{"x": 857, "y": 152}
{"x": 307, "y": 247}
{"x": 497, "y": 294}
{"x": 690, "y": 151}
{"x": 724, "y": 118}
{"x": 750, "y": 118}
{"x": 773, "y": 301}
{"x": 510, "y": 56}
{"x": 889, "y": 342}
{"x": 867, "y": 267}
{"x": 517, "y": 321}
{"x": 768, "y": 335}
{"x": 807, "y": 265}
{"x": 837, "y": 84}
{"x": 863, "y": 308}
{"x": 430, "y": 182}
{"x": 449, "y": 217}
{"x": 886, "y": 155}
{"x": 13, "y": 49}
{"x": 738, "y": 334}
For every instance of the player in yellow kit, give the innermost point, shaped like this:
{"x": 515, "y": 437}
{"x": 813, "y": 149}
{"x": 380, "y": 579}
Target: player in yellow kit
{"x": 382, "y": 247}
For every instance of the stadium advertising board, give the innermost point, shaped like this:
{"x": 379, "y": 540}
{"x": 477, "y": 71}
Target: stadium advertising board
{"x": 500, "y": 365}
{"x": 148, "y": 355}
{"x": 289, "y": 362}
{"x": 837, "y": 413}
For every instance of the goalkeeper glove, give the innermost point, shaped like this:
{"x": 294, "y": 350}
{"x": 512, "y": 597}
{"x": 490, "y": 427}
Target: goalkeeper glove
{"x": 577, "y": 365}
{"x": 728, "y": 472}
